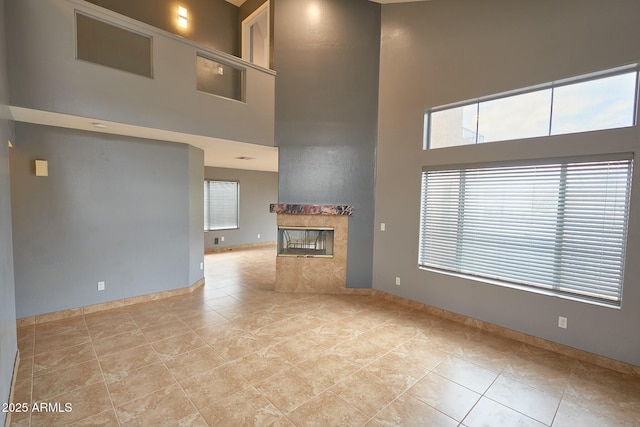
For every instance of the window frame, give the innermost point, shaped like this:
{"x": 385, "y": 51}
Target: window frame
{"x": 207, "y": 205}
{"x": 518, "y": 284}
{"x": 612, "y": 72}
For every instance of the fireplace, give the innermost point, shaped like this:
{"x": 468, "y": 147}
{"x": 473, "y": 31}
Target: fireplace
{"x": 312, "y": 248}
{"x": 305, "y": 241}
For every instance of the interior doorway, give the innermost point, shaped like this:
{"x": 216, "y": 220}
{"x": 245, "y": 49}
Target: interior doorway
{"x": 255, "y": 37}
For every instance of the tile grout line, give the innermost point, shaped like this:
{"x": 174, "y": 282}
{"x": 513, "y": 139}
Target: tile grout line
{"x": 328, "y": 389}
{"x": 177, "y": 382}
{"x": 318, "y": 303}
{"x": 91, "y": 341}
{"x": 104, "y": 379}
{"x": 33, "y": 367}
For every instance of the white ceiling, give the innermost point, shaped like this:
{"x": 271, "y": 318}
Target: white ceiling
{"x": 217, "y": 152}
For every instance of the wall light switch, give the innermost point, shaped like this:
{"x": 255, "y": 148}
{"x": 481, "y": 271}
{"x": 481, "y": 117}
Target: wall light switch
{"x": 258, "y": 235}
{"x": 222, "y": 239}
{"x": 101, "y": 286}
{"x": 397, "y": 281}
{"x": 383, "y": 226}
{"x": 201, "y": 265}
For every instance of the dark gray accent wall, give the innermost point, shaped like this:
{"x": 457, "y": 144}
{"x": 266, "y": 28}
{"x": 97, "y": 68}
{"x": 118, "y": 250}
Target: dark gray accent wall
{"x": 214, "y": 23}
{"x": 113, "y": 209}
{"x": 8, "y": 341}
{"x": 326, "y": 55}
{"x": 440, "y": 52}
{"x": 257, "y": 190}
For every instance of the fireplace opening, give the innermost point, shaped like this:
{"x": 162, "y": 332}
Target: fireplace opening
{"x": 305, "y": 241}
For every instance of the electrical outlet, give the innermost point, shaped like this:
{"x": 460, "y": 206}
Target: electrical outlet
{"x": 215, "y": 240}
{"x": 383, "y": 226}
{"x": 562, "y": 322}
{"x": 397, "y": 281}
{"x": 258, "y": 235}
{"x": 101, "y": 286}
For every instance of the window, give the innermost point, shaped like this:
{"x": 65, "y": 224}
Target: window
{"x": 112, "y": 46}
{"x": 219, "y": 78}
{"x": 606, "y": 100}
{"x": 557, "y": 226}
{"x": 221, "y": 200}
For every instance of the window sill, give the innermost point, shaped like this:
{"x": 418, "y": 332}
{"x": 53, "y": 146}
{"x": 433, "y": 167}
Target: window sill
{"x": 523, "y": 288}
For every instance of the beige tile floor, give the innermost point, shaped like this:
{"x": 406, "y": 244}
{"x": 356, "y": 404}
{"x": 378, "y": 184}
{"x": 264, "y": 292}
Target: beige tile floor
{"x": 235, "y": 353}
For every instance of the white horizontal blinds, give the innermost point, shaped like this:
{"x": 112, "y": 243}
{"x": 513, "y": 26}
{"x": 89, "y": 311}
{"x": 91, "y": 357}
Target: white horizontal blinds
{"x": 560, "y": 226}
{"x": 221, "y": 205}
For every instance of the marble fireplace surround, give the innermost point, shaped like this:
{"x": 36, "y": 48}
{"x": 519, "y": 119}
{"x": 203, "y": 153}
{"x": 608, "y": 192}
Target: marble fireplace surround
{"x": 309, "y": 274}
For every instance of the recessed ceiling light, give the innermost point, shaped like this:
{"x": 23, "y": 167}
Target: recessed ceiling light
{"x": 244, "y": 158}
{"x": 99, "y": 125}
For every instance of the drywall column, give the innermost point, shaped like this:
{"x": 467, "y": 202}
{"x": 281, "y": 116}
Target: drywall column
{"x": 326, "y": 55}
{"x": 196, "y": 214}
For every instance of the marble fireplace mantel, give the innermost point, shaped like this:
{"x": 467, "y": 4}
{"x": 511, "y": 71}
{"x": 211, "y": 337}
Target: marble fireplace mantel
{"x": 298, "y": 209}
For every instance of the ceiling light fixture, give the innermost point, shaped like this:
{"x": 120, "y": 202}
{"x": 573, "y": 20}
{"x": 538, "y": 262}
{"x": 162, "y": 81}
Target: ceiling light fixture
{"x": 183, "y": 22}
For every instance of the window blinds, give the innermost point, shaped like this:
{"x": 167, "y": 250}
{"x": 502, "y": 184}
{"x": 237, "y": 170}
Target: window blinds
{"x": 556, "y": 225}
{"x": 220, "y": 205}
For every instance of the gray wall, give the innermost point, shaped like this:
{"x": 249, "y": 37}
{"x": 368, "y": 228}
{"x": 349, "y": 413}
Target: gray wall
{"x": 8, "y": 343}
{"x": 214, "y": 23}
{"x": 112, "y": 209}
{"x": 247, "y": 8}
{"x": 326, "y": 113}
{"x": 45, "y": 76}
{"x": 257, "y": 191}
{"x": 439, "y": 52}
{"x": 196, "y": 213}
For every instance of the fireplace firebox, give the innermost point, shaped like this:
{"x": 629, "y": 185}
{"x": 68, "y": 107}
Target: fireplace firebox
{"x": 305, "y": 241}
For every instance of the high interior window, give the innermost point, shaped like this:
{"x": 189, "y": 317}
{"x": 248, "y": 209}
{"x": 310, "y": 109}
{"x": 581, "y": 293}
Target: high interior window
{"x": 603, "y": 100}
{"x": 221, "y": 205}
{"x": 112, "y": 46}
{"x": 219, "y": 78}
{"x": 556, "y": 226}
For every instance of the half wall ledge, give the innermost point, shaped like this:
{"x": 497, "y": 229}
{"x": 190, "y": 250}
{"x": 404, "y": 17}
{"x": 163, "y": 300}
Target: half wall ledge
{"x": 296, "y": 209}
